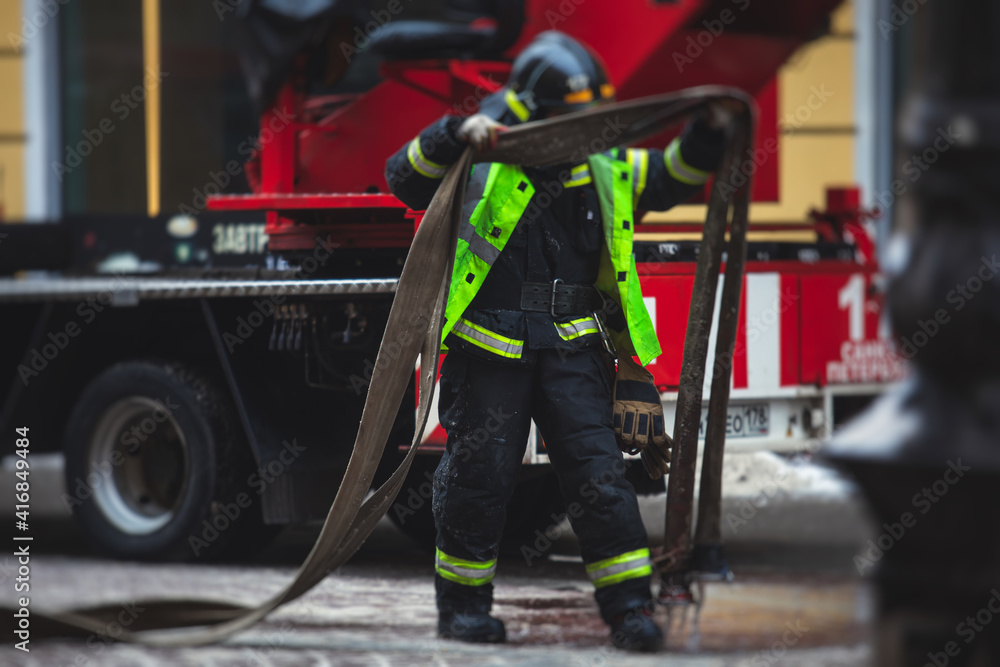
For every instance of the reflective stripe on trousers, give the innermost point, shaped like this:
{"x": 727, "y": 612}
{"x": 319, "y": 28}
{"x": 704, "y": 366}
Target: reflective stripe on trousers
{"x": 461, "y": 571}
{"x": 630, "y": 565}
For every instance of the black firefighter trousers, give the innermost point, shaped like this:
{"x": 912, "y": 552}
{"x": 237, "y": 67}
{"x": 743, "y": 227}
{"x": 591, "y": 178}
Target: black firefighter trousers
{"x": 486, "y": 408}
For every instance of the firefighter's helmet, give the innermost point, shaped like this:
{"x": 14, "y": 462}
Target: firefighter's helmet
{"x": 555, "y": 73}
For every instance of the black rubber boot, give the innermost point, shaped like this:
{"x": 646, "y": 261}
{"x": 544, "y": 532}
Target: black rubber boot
{"x": 635, "y": 630}
{"x": 464, "y": 613}
{"x": 473, "y": 627}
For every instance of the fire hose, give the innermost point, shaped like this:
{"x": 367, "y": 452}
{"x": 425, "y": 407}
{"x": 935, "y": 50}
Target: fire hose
{"x": 414, "y": 329}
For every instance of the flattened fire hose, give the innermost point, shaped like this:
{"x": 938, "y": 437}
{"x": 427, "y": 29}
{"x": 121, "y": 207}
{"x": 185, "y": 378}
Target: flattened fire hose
{"x": 414, "y": 327}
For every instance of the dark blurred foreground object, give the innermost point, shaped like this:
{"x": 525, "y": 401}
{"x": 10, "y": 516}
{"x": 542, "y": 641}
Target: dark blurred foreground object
{"x": 927, "y": 456}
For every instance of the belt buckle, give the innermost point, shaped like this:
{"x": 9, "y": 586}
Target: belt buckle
{"x": 552, "y": 301}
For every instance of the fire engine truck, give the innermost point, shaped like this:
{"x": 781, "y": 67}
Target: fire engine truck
{"x": 213, "y": 362}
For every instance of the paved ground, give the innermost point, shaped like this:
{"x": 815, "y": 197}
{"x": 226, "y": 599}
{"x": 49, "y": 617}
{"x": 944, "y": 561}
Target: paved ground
{"x": 789, "y": 606}
{"x": 767, "y": 498}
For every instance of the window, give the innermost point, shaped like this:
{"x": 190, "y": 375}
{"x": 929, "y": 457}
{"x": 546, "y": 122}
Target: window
{"x": 205, "y": 112}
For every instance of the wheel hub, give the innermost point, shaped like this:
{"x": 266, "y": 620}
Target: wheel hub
{"x": 137, "y": 462}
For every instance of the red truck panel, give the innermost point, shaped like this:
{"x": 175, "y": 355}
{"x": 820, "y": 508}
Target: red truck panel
{"x": 840, "y": 341}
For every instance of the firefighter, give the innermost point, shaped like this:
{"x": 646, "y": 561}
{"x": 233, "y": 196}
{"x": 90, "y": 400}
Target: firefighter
{"x": 524, "y": 342}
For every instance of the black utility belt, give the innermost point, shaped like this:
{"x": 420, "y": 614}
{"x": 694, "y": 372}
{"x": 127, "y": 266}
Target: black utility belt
{"x": 559, "y": 298}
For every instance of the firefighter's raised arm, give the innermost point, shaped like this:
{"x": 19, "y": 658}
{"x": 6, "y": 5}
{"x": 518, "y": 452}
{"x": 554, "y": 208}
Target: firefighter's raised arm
{"x": 664, "y": 178}
{"x": 415, "y": 170}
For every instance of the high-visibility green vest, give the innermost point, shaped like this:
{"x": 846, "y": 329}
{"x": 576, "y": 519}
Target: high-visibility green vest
{"x": 496, "y": 200}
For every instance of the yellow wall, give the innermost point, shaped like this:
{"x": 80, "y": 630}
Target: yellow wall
{"x": 817, "y": 152}
{"x": 11, "y": 115}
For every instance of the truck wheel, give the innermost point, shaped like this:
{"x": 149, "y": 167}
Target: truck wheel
{"x": 154, "y": 458}
{"x": 535, "y": 499}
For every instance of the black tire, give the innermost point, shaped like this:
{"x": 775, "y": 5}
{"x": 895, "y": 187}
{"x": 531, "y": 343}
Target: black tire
{"x": 156, "y": 466}
{"x": 535, "y": 499}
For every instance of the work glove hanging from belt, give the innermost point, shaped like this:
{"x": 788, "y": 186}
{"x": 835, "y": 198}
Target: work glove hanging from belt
{"x": 638, "y": 417}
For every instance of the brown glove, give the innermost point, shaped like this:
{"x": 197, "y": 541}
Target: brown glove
{"x": 638, "y": 417}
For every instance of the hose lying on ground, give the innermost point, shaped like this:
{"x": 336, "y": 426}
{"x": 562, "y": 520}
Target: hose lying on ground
{"x": 414, "y": 328}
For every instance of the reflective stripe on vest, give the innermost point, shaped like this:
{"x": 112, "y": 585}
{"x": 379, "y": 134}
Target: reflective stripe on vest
{"x": 474, "y": 190}
{"x": 511, "y": 348}
{"x": 639, "y": 159}
{"x": 621, "y": 568}
{"x": 467, "y": 572}
{"x": 479, "y": 246}
{"x": 422, "y": 164}
{"x": 680, "y": 169}
{"x": 577, "y": 328}
{"x": 579, "y": 175}
{"x": 495, "y": 200}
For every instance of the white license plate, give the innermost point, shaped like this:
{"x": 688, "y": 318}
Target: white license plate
{"x": 742, "y": 421}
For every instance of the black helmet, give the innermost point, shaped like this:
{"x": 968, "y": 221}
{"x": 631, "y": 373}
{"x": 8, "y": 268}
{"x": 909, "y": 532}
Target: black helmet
{"x": 555, "y": 72}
